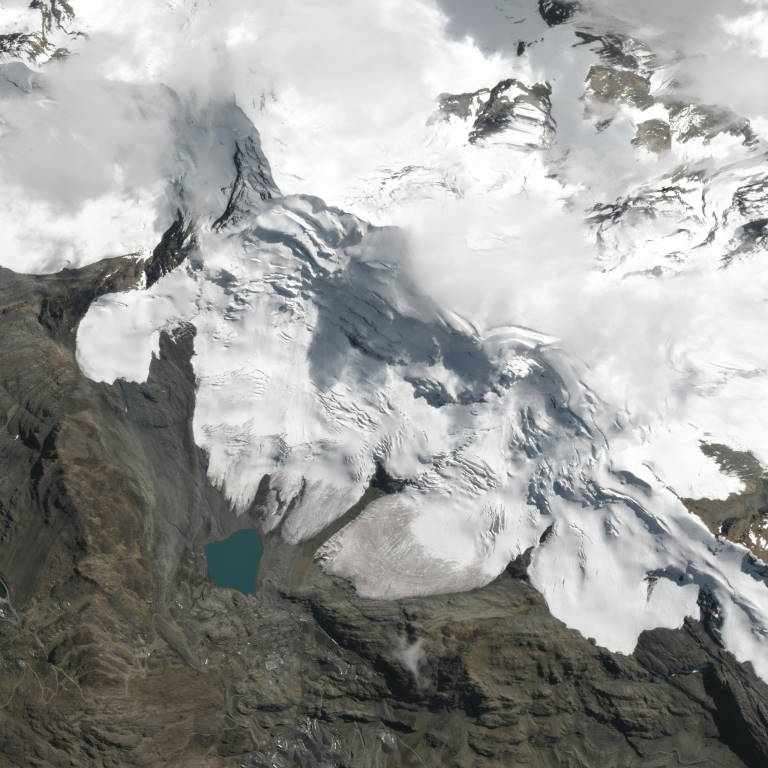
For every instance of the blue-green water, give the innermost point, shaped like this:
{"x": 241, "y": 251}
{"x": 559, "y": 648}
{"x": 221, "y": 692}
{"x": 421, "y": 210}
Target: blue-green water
{"x": 234, "y": 562}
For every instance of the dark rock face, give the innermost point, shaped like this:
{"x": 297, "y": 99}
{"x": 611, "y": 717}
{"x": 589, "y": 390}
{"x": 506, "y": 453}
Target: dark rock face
{"x": 176, "y": 245}
{"x": 118, "y": 652}
{"x": 703, "y": 671}
{"x": 556, "y": 12}
{"x": 615, "y": 50}
{"x": 23, "y": 45}
{"x": 531, "y": 108}
{"x": 253, "y": 178}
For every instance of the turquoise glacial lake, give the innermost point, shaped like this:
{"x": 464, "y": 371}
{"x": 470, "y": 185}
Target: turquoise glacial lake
{"x": 234, "y": 562}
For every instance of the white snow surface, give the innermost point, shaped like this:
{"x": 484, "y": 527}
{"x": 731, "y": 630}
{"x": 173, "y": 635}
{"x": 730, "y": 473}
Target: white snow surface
{"x": 464, "y": 316}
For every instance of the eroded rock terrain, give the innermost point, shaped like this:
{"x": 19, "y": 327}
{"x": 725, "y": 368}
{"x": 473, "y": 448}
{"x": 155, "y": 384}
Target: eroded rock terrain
{"x": 117, "y": 651}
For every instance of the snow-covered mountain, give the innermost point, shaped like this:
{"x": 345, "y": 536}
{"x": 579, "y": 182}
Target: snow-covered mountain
{"x": 517, "y": 284}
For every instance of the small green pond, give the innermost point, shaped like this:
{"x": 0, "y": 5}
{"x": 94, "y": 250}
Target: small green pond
{"x": 234, "y": 562}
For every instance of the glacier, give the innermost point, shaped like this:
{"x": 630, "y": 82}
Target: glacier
{"x": 522, "y": 285}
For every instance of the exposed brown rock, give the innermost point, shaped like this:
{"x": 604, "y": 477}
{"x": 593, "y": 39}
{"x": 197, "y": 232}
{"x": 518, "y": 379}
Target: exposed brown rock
{"x": 654, "y": 135}
{"x": 123, "y": 655}
{"x": 743, "y": 516}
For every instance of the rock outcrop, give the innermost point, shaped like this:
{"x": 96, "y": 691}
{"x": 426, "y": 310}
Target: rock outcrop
{"x": 518, "y": 114}
{"x": 38, "y": 45}
{"x": 556, "y": 12}
{"x": 743, "y": 516}
{"x": 654, "y": 135}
